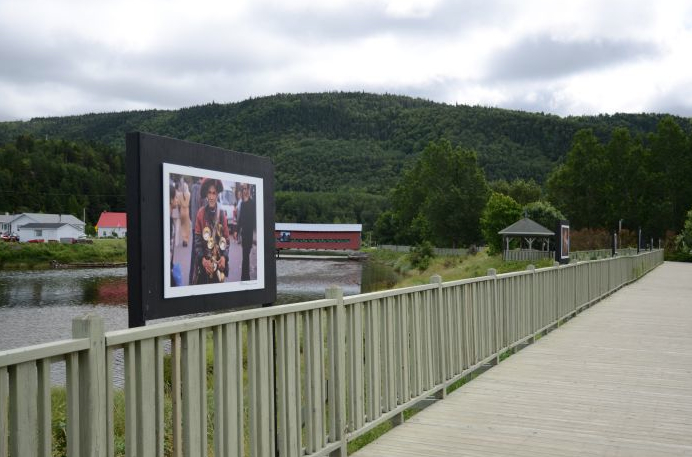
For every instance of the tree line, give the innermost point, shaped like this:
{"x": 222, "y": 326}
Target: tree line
{"x": 342, "y": 157}
{"x": 626, "y": 181}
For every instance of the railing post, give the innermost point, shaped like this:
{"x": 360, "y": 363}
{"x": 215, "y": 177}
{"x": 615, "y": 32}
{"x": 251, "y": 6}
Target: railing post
{"x": 92, "y": 382}
{"x": 439, "y": 322}
{"x": 337, "y": 384}
{"x": 496, "y": 315}
{"x": 532, "y": 307}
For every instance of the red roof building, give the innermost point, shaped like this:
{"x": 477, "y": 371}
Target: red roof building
{"x": 112, "y": 224}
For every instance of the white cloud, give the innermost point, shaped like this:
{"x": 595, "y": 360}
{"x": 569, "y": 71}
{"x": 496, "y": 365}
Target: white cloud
{"x": 572, "y": 57}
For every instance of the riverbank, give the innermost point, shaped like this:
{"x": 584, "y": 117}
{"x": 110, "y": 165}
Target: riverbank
{"x": 36, "y": 256}
{"x": 450, "y": 268}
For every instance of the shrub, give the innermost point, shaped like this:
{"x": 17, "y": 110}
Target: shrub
{"x": 421, "y": 255}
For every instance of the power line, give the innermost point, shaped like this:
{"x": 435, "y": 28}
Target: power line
{"x": 61, "y": 194}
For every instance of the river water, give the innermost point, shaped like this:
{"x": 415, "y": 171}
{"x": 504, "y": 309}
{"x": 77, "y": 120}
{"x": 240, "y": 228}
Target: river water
{"x": 38, "y": 306}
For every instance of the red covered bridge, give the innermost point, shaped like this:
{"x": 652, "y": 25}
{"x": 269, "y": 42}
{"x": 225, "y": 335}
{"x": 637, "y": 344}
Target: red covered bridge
{"x": 318, "y": 236}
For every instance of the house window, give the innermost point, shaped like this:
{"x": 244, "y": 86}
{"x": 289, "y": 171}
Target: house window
{"x": 38, "y": 232}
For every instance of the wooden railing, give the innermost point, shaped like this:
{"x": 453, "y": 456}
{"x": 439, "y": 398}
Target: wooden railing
{"x": 300, "y": 379}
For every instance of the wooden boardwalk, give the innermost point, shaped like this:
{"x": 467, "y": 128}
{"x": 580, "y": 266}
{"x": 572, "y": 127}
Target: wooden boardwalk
{"x": 614, "y": 381}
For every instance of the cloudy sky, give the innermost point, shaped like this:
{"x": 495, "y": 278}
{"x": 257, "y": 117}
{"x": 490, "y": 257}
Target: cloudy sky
{"x": 568, "y": 57}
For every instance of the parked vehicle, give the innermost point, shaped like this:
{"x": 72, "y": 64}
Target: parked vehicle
{"x": 7, "y": 236}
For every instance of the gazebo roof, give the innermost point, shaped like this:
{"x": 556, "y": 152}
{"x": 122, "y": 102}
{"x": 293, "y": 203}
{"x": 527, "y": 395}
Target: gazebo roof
{"x": 526, "y": 227}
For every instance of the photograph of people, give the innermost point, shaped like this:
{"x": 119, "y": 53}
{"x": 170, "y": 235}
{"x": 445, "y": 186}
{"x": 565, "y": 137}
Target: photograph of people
{"x": 247, "y": 226}
{"x": 211, "y": 238}
{"x": 212, "y": 224}
{"x": 565, "y": 241}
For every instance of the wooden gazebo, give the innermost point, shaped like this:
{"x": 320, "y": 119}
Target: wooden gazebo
{"x": 528, "y": 232}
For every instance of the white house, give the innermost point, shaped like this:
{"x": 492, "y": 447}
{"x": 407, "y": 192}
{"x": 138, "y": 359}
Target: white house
{"x": 50, "y": 231}
{"x": 5, "y": 222}
{"x": 40, "y": 218}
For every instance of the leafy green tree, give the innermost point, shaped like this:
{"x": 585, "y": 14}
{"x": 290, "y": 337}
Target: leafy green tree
{"x": 685, "y": 237}
{"x": 580, "y": 187}
{"x": 500, "y": 212}
{"x": 670, "y": 161}
{"x": 544, "y": 213}
{"x": 440, "y": 199}
{"x": 521, "y": 190}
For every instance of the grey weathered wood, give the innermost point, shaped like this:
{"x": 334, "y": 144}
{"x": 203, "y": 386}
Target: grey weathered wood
{"x": 110, "y": 426}
{"x": 202, "y": 382}
{"x": 4, "y": 426}
{"x": 131, "y": 428}
{"x": 372, "y": 360}
{"x": 41, "y": 351}
{"x": 159, "y": 354}
{"x": 120, "y": 337}
{"x": 191, "y": 394}
{"x": 219, "y": 404}
{"x": 146, "y": 396}
{"x": 607, "y": 391}
{"x": 92, "y": 381}
{"x": 233, "y": 389}
{"x": 23, "y": 410}
{"x": 259, "y": 381}
{"x": 355, "y": 351}
{"x": 288, "y": 386}
{"x": 176, "y": 395}
{"x": 44, "y": 408}
{"x": 72, "y": 387}
{"x": 338, "y": 385}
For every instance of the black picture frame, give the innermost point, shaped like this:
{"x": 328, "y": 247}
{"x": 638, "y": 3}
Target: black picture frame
{"x": 150, "y": 160}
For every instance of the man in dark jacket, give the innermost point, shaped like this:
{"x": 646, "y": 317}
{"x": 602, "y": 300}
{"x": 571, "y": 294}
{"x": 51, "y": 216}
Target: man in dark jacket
{"x": 247, "y": 225}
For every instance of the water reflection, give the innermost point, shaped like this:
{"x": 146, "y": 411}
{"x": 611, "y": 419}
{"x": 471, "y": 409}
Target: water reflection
{"x": 38, "y": 306}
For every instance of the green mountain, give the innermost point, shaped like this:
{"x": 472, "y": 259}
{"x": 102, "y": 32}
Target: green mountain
{"x": 343, "y": 143}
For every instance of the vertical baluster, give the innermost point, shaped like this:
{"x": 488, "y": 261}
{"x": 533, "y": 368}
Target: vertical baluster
{"x": 260, "y": 382}
{"x": 404, "y": 340}
{"x": 356, "y": 363}
{"x": 44, "y": 409}
{"x": 219, "y": 404}
{"x": 159, "y": 392}
{"x": 176, "y": 395}
{"x": 4, "y": 426}
{"x": 191, "y": 394}
{"x": 131, "y": 428}
{"x": 110, "y": 426}
{"x": 146, "y": 397}
{"x": 234, "y": 417}
{"x": 23, "y": 409}
{"x": 202, "y": 381}
{"x": 72, "y": 387}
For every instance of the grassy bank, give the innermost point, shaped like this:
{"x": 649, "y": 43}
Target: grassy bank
{"x": 18, "y": 256}
{"x": 450, "y": 268}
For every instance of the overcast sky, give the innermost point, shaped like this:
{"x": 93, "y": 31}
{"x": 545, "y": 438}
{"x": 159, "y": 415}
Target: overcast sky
{"x": 61, "y": 57}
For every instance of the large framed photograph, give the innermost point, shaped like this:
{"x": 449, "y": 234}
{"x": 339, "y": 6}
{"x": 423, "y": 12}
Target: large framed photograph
{"x": 562, "y": 247}
{"x": 214, "y": 238}
{"x": 200, "y": 228}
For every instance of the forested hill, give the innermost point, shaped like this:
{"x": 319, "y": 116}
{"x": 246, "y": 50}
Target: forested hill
{"x": 331, "y": 142}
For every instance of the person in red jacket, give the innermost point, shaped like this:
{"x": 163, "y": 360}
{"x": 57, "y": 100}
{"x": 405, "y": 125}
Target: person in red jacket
{"x": 211, "y": 238}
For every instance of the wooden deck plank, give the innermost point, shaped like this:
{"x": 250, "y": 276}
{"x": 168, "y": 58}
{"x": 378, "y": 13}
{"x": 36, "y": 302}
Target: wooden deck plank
{"x": 614, "y": 381}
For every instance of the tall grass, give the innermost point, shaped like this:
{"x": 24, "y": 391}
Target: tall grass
{"x": 39, "y": 255}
